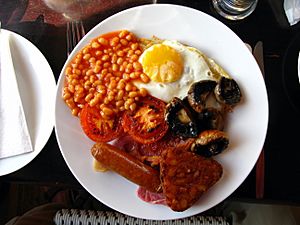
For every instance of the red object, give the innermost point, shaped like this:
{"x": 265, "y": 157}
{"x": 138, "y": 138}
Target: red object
{"x": 147, "y": 124}
{"x": 36, "y": 8}
{"x": 127, "y": 166}
{"x": 96, "y": 127}
{"x": 260, "y": 175}
{"x": 260, "y": 164}
{"x": 151, "y": 197}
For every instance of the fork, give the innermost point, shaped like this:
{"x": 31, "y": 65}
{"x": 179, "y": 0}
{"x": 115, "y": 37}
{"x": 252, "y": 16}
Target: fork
{"x": 75, "y": 32}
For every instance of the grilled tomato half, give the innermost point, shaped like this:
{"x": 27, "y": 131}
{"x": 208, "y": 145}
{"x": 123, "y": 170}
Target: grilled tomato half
{"x": 146, "y": 124}
{"x": 96, "y": 127}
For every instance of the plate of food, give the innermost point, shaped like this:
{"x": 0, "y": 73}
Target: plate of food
{"x": 156, "y": 113}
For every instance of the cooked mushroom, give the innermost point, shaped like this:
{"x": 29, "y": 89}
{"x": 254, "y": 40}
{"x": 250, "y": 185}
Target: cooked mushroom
{"x": 210, "y": 143}
{"x": 227, "y": 91}
{"x": 211, "y": 119}
{"x": 198, "y": 93}
{"x": 180, "y": 119}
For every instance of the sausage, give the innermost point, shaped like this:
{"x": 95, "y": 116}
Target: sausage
{"x": 127, "y": 166}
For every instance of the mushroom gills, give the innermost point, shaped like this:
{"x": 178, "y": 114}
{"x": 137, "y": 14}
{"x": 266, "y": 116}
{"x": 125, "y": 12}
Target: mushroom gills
{"x": 199, "y": 92}
{"x": 180, "y": 119}
{"x": 210, "y": 143}
{"x": 211, "y": 119}
{"x": 228, "y": 92}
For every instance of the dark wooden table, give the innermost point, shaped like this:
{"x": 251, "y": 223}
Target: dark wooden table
{"x": 266, "y": 24}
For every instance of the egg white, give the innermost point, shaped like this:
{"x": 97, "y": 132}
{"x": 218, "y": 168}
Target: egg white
{"x": 195, "y": 69}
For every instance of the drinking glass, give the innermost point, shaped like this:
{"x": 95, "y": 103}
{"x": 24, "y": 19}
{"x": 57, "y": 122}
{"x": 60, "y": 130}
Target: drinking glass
{"x": 80, "y": 9}
{"x": 234, "y": 9}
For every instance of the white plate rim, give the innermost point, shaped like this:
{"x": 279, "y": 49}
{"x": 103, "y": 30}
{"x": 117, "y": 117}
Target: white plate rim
{"x": 261, "y": 134}
{"x": 45, "y": 119}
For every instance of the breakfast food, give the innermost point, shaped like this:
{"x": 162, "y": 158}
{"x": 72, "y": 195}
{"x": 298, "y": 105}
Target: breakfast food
{"x": 186, "y": 176}
{"x": 155, "y": 109}
{"x": 210, "y": 143}
{"x": 126, "y": 165}
{"x": 193, "y": 68}
{"x": 101, "y": 74}
{"x": 151, "y": 153}
{"x": 147, "y": 123}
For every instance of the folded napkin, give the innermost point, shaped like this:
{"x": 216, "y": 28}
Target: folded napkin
{"x": 14, "y": 134}
{"x": 292, "y": 11}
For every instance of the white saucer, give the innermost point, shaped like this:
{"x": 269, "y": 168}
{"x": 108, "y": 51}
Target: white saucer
{"x": 37, "y": 89}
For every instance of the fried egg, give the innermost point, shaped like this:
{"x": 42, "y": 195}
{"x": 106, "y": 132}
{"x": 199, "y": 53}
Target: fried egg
{"x": 162, "y": 63}
{"x": 172, "y": 68}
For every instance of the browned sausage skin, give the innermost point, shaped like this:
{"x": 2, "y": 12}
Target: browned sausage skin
{"x": 127, "y": 166}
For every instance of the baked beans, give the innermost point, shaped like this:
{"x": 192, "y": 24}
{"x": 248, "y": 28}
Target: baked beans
{"x": 102, "y": 75}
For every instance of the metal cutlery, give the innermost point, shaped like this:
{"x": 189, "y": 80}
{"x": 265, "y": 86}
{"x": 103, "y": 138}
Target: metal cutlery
{"x": 260, "y": 164}
{"x": 75, "y": 32}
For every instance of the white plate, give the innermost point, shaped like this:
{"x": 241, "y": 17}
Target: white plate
{"x": 37, "y": 89}
{"x": 247, "y": 125}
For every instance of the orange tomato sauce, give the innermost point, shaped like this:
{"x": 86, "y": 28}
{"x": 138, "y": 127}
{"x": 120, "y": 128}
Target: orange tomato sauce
{"x": 102, "y": 73}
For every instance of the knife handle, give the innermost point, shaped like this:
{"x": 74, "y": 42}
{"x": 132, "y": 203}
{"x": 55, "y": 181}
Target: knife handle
{"x": 260, "y": 175}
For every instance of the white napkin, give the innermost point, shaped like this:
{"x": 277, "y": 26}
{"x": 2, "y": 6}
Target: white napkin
{"x": 14, "y": 134}
{"x": 292, "y": 11}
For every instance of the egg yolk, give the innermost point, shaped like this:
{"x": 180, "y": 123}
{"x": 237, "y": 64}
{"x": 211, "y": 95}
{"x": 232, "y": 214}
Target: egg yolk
{"x": 162, "y": 63}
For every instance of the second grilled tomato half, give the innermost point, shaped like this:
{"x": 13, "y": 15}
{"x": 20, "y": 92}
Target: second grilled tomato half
{"x": 146, "y": 124}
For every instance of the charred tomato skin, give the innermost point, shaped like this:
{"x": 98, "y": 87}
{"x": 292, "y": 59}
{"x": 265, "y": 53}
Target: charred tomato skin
{"x": 96, "y": 127}
{"x": 146, "y": 124}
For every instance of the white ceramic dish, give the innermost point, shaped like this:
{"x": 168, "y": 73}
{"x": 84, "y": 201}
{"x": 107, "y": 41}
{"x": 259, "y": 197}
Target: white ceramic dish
{"x": 247, "y": 125}
{"x": 37, "y": 90}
